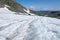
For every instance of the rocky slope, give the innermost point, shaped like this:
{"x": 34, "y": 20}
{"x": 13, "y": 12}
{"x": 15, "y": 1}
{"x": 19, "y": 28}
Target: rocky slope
{"x": 13, "y": 5}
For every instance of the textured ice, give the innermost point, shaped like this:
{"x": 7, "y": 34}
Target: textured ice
{"x": 22, "y": 27}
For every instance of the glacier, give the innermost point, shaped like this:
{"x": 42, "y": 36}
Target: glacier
{"x": 25, "y": 27}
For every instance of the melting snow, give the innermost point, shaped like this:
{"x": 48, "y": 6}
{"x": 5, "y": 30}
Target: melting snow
{"x": 5, "y": 10}
{"x": 21, "y": 27}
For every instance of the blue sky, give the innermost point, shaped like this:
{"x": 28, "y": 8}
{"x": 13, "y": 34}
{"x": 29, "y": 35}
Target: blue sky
{"x": 41, "y": 4}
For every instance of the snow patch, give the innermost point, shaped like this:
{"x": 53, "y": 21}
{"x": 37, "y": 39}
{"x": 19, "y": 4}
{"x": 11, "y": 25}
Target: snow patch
{"x": 22, "y": 27}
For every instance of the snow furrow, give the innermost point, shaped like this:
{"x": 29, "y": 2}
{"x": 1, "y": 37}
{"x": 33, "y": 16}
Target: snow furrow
{"x": 22, "y": 27}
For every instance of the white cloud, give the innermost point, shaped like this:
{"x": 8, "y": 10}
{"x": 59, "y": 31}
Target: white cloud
{"x": 34, "y": 8}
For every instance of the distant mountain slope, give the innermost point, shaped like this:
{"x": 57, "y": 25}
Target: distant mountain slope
{"x": 55, "y": 14}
